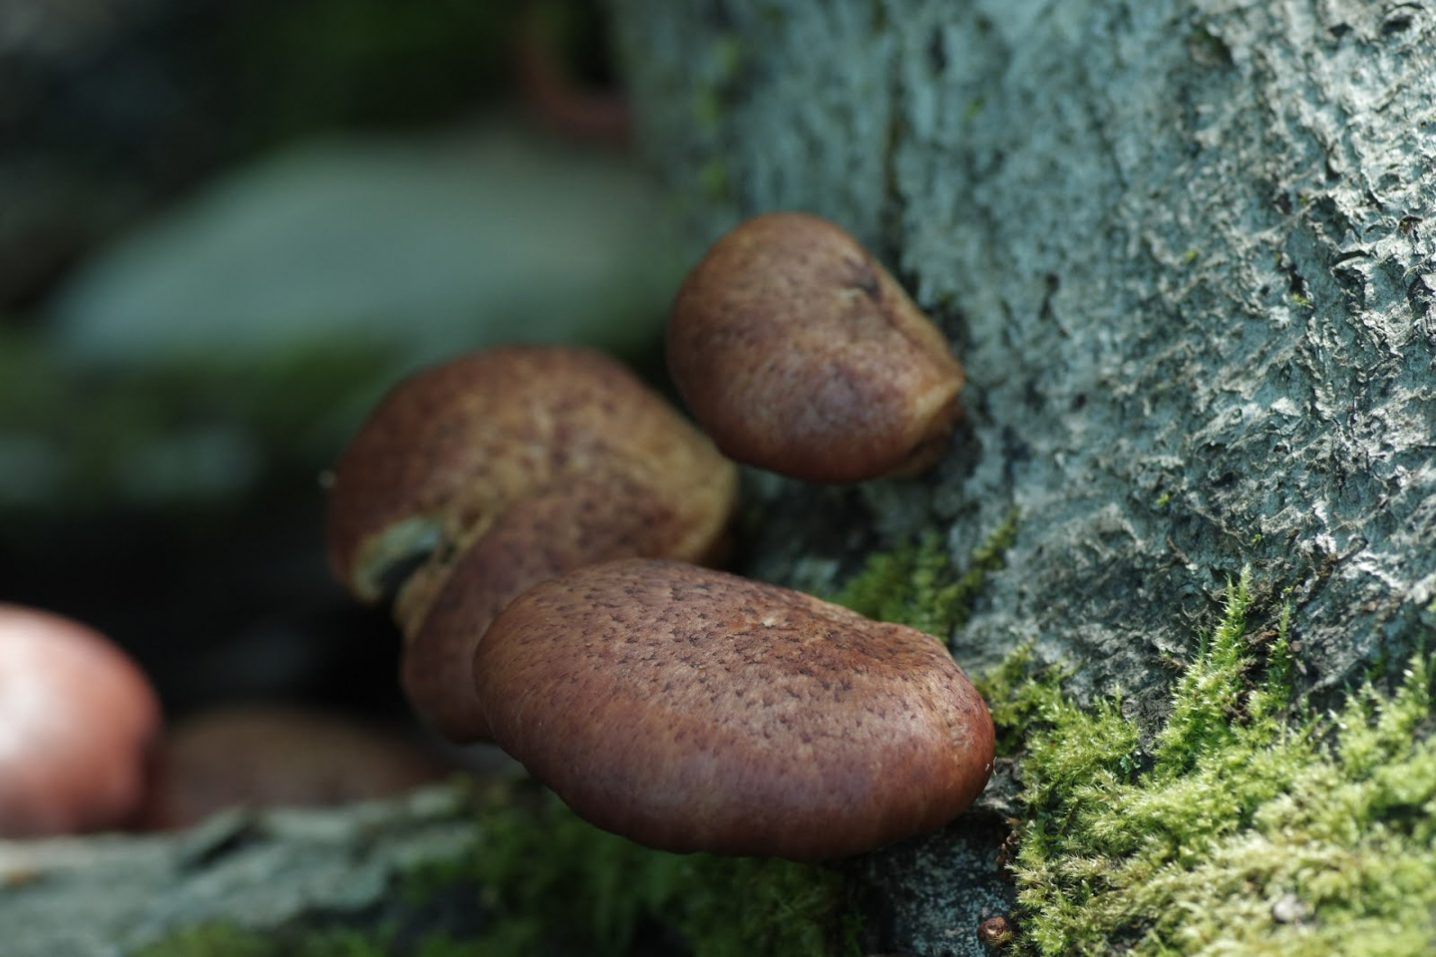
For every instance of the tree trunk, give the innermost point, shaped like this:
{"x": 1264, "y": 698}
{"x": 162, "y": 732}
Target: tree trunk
{"x": 1187, "y": 253}
{"x": 1183, "y": 251}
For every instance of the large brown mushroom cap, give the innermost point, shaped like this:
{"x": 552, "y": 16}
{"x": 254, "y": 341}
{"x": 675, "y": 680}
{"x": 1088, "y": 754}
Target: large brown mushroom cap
{"x": 799, "y": 353}
{"x": 76, "y": 721}
{"x": 691, "y": 710}
{"x": 450, "y": 448}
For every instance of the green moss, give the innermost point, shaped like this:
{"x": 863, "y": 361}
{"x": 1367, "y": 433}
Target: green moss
{"x": 917, "y": 584}
{"x": 541, "y": 881}
{"x": 1242, "y": 827}
{"x": 557, "y": 885}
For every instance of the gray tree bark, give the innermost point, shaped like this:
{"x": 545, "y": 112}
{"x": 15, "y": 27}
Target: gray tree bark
{"x": 1187, "y": 253}
{"x": 1186, "y": 250}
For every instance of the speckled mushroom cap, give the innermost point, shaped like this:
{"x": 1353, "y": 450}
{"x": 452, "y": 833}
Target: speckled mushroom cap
{"x": 799, "y": 353}
{"x": 586, "y": 521}
{"x": 690, "y": 710}
{"x": 450, "y": 448}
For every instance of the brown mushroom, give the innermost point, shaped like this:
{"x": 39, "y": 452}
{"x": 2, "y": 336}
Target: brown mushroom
{"x": 691, "y": 710}
{"x": 590, "y": 520}
{"x": 503, "y": 468}
{"x": 76, "y": 721}
{"x": 277, "y": 756}
{"x": 799, "y": 353}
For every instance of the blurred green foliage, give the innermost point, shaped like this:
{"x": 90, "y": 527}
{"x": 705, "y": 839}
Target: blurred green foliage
{"x": 323, "y": 64}
{"x": 75, "y": 438}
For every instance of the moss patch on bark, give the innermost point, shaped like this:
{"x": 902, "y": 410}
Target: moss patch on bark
{"x": 1245, "y": 825}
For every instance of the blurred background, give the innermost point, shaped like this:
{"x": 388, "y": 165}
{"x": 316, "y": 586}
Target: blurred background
{"x": 225, "y": 230}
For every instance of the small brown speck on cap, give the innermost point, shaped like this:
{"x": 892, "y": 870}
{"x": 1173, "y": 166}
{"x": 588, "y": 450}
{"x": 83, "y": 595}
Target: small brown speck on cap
{"x": 690, "y": 710}
{"x": 799, "y": 353}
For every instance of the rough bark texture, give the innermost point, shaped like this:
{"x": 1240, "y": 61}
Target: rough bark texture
{"x": 1183, "y": 250}
{"x": 1187, "y": 253}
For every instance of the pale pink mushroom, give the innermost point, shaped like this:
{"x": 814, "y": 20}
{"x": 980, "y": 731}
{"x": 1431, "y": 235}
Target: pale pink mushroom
{"x": 76, "y": 721}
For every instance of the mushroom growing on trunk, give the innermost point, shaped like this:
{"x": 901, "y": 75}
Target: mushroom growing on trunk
{"x": 799, "y": 353}
{"x": 480, "y": 477}
{"x": 691, "y": 710}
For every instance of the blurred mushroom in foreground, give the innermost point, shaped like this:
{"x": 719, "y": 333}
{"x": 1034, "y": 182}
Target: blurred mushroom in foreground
{"x": 77, "y": 718}
{"x": 277, "y": 756}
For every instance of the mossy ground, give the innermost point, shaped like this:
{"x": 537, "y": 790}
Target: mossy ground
{"x": 557, "y": 885}
{"x": 542, "y": 881}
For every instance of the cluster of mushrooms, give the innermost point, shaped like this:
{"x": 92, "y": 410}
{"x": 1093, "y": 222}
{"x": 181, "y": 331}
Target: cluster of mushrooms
{"x": 84, "y": 746}
{"x": 541, "y": 522}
